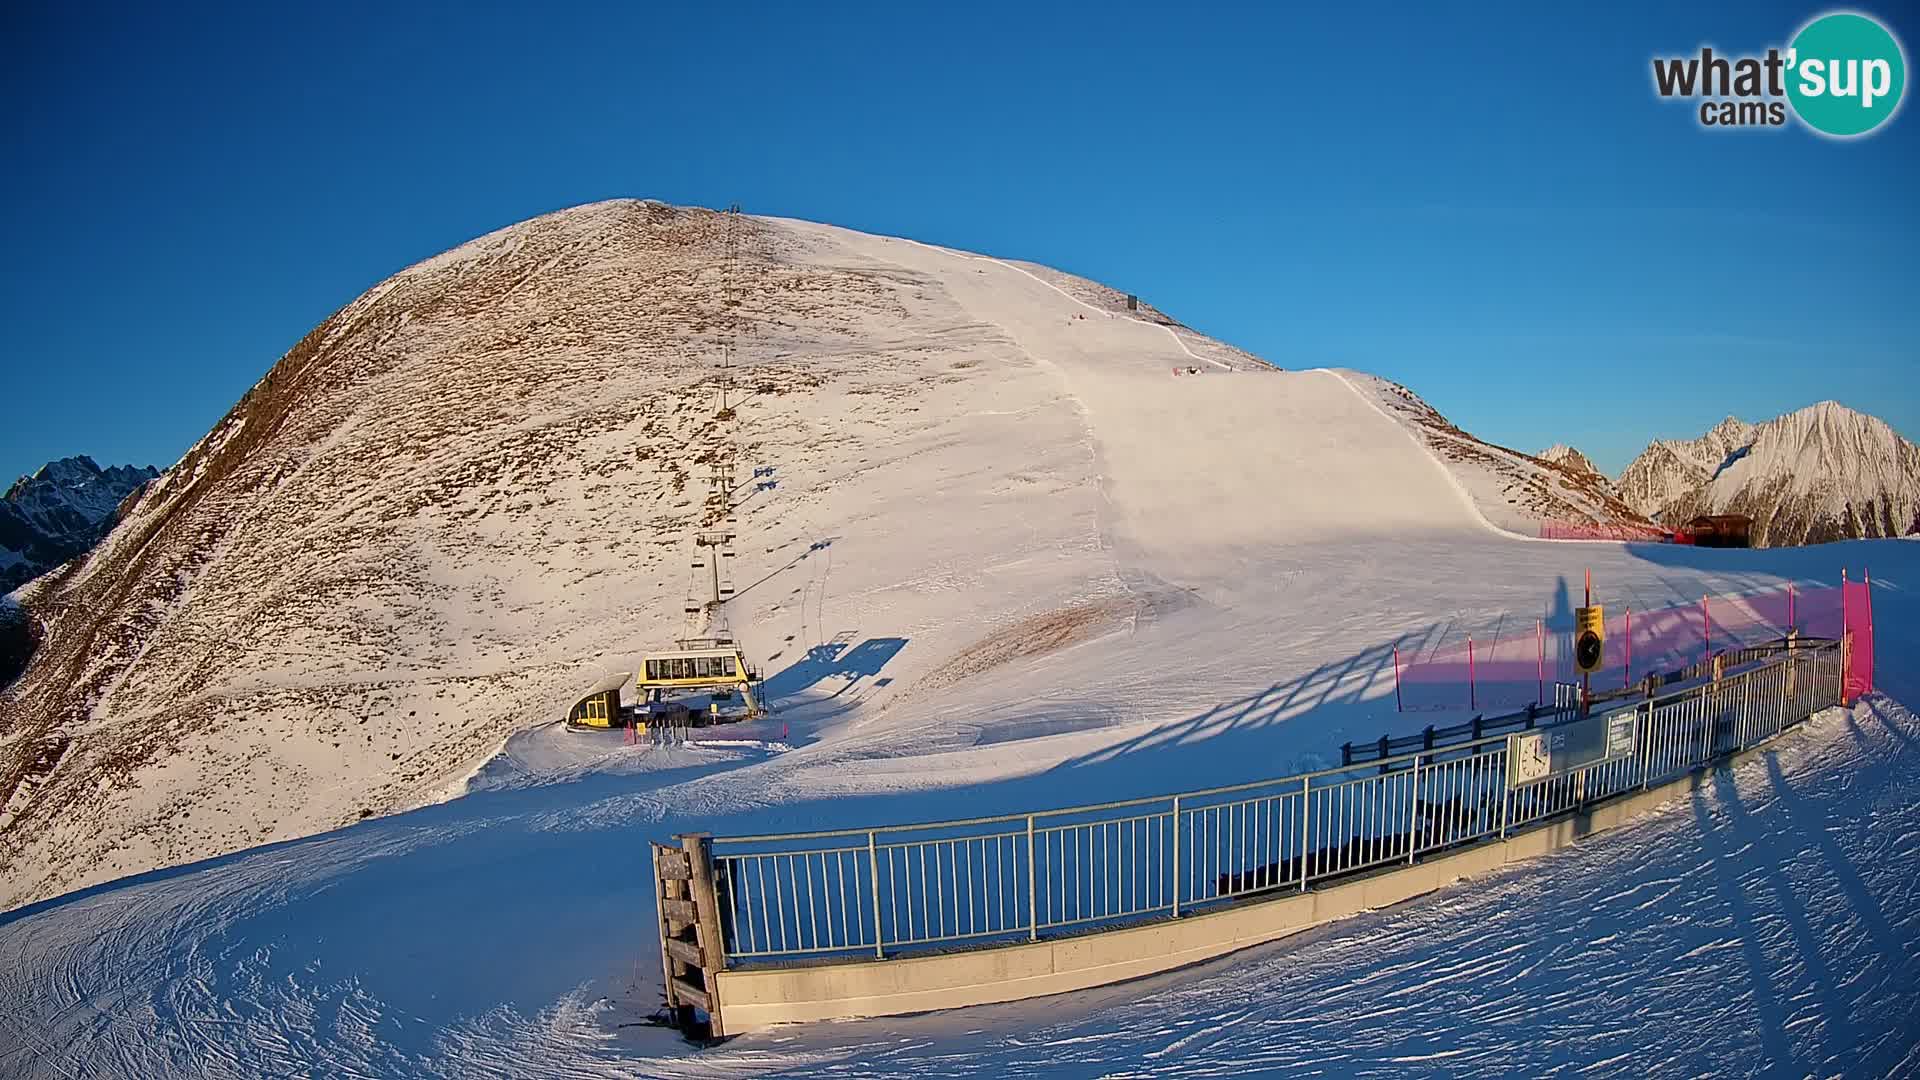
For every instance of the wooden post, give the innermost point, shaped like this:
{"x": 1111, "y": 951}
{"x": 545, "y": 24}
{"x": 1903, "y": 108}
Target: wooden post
{"x": 670, "y": 881}
{"x": 706, "y": 903}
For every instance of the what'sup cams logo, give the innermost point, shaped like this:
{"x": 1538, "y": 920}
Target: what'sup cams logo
{"x": 1843, "y": 75}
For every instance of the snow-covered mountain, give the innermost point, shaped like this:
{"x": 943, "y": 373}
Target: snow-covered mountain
{"x": 1670, "y": 468}
{"x": 1567, "y": 457}
{"x": 59, "y": 512}
{"x": 467, "y": 495}
{"x": 1825, "y": 472}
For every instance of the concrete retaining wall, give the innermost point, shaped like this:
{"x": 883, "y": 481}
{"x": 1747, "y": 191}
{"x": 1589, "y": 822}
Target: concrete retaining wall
{"x": 754, "y": 998}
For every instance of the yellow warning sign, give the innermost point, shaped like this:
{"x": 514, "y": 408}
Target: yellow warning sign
{"x": 1589, "y": 638}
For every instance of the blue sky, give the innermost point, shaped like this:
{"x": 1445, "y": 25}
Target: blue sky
{"x": 1491, "y": 207}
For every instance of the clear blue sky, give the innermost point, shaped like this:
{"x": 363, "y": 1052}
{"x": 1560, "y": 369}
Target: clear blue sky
{"x": 1489, "y": 206}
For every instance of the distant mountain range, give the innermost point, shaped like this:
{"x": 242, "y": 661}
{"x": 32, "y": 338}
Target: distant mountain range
{"x": 1825, "y": 472}
{"x": 60, "y": 512}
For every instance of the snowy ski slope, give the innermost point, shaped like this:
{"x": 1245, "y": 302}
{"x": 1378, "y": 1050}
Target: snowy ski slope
{"x": 466, "y": 496}
{"x": 1012, "y": 562}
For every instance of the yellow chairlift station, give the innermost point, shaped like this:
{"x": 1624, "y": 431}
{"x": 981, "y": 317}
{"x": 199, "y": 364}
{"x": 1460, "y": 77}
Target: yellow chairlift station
{"x": 698, "y": 664}
{"x": 601, "y": 707}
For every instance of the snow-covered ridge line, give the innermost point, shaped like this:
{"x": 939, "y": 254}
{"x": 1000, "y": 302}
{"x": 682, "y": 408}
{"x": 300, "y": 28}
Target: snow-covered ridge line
{"x": 1103, "y": 313}
{"x": 1449, "y": 474}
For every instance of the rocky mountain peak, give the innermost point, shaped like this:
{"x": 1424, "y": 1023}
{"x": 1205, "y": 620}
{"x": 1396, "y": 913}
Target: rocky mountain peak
{"x": 59, "y": 511}
{"x": 1567, "y": 457}
{"x": 1823, "y": 472}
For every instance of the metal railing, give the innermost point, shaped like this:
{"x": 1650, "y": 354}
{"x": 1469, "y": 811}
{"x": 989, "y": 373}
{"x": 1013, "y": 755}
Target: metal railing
{"x": 1566, "y": 703}
{"x": 993, "y": 880}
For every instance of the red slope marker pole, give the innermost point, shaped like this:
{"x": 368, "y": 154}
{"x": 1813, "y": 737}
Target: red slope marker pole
{"x": 1627, "y": 680}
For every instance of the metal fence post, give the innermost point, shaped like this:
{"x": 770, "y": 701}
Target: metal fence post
{"x": 1178, "y": 877}
{"x": 1306, "y": 816}
{"x": 1506, "y": 792}
{"x": 1033, "y": 890}
{"x": 1746, "y": 708}
{"x": 1413, "y": 812}
{"x": 1645, "y": 750}
{"x": 873, "y": 867}
{"x": 1846, "y": 650}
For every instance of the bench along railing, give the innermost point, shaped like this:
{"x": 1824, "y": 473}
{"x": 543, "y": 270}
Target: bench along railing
{"x": 894, "y": 890}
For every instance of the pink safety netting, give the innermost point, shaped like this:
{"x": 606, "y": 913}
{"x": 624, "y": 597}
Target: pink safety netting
{"x": 1512, "y": 668}
{"x": 1857, "y": 604}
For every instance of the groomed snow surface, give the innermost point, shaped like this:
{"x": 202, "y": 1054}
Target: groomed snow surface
{"x": 1768, "y": 922}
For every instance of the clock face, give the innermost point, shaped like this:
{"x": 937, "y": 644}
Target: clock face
{"x": 1531, "y": 761}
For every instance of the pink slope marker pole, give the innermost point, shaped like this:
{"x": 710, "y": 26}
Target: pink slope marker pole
{"x": 1627, "y": 679}
{"x": 1398, "y": 706}
{"x": 1790, "y": 619}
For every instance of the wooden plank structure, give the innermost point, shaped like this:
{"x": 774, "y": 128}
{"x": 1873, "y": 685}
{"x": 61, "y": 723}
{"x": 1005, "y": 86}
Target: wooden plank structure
{"x": 1720, "y": 530}
{"x": 691, "y": 949}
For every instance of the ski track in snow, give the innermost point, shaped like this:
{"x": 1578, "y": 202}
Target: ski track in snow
{"x": 1767, "y": 922}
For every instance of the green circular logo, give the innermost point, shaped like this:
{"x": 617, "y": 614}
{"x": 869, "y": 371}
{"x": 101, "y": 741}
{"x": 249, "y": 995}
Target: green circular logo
{"x": 1845, "y": 74}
